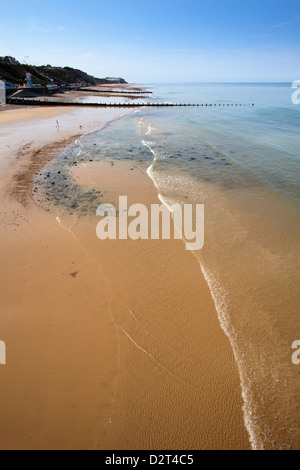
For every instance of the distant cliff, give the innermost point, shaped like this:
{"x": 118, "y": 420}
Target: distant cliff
{"x": 46, "y": 74}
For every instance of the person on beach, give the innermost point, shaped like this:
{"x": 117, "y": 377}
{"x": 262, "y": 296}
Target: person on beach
{"x": 57, "y": 125}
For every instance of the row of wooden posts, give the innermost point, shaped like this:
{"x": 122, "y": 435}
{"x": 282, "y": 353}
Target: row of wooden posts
{"x": 29, "y": 102}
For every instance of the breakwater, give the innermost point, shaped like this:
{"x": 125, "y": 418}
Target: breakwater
{"x": 116, "y": 92}
{"x": 29, "y": 102}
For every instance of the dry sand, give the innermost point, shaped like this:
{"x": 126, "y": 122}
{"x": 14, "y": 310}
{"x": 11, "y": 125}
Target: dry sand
{"x": 110, "y": 345}
{"x": 26, "y": 114}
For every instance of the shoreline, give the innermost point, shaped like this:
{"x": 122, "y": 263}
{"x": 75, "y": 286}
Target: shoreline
{"x": 129, "y": 346}
{"x": 222, "y": 316}
{"x": 84, "y": 175}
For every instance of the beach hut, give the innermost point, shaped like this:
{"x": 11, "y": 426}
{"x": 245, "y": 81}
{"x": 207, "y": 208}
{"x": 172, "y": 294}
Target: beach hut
{"x": 2, "y": 93}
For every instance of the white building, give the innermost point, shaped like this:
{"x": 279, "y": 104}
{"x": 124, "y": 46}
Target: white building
{"x": 28, "y": 79}
{"x": 2, "y": 93}
{"x": 8, "y": 60}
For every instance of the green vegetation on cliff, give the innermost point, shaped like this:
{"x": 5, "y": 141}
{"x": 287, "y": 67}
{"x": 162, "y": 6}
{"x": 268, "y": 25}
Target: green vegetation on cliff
{"x": 45, "y": 75}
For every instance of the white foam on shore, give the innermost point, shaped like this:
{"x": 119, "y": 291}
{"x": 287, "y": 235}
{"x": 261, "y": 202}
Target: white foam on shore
{"x": 221, "y": 301}
{"x": 145, "y": 127}
{"x": 220, "y": 298}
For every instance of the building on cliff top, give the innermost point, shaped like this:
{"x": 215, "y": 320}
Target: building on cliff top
{"x": 8, "y": 60}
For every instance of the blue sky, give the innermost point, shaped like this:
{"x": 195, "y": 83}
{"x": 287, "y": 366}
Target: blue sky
{"x": 158, "y": 40}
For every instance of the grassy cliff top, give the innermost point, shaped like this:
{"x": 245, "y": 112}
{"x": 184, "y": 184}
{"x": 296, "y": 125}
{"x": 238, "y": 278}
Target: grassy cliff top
{"x": 44, "y": 75}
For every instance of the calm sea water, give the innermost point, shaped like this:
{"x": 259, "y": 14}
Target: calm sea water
{"x": 242, "y": 163}
{"x": 262, "y": 144}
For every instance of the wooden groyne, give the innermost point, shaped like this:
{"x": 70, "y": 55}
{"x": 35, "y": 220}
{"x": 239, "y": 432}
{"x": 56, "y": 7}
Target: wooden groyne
{"x": 29, "y": 102}
{"x": 116, "y": 92}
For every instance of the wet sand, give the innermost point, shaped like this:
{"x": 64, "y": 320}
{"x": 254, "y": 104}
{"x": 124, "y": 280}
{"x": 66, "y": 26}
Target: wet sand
{"x": 110, "y": 345}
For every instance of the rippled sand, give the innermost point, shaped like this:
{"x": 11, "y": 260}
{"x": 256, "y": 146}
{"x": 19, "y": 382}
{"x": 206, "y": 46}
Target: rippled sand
{"x": 111, "y": 345}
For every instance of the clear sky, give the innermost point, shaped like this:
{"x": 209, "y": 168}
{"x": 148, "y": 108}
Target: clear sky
{"x": 158, "y": 40}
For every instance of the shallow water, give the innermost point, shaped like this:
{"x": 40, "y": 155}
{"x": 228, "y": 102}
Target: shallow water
{"x": 242, "y": 163}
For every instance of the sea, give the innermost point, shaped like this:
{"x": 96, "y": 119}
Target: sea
{"x": 238, "y": 154}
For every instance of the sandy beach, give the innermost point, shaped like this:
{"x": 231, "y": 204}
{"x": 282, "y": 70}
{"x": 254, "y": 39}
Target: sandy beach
{"x": 110, "y": 344}
{"x": 25, "y": 114}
